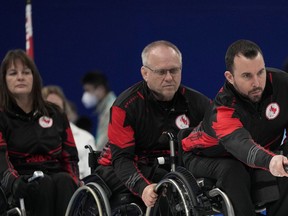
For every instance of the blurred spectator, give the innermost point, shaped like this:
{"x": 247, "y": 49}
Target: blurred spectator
{"x": 71, "y": 111}
{"x": 85, "y": 123}
{"x": 82, "y": 121}
{"x": 98, "y": 94}
{"x": 54, "y": 94}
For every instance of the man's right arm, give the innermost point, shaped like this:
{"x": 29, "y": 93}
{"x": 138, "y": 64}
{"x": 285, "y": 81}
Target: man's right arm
{"x": 122, "y": 144}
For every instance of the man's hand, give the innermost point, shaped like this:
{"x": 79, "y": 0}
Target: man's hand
{"x": 149, "y": 196}
{"x": 276, "y": 166}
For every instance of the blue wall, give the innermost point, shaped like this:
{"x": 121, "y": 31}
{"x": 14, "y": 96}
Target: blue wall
{"x": 73, "y": 36}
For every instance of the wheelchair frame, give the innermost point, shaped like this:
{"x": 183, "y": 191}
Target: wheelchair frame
{"x": 201, "y": 200}
{"x": 193, "y": 198}
{"x": 16, "y": 210}
{"x": 209, "y": 195}
{"x": 11, "y": 211}
{"x": 98, "y": 191}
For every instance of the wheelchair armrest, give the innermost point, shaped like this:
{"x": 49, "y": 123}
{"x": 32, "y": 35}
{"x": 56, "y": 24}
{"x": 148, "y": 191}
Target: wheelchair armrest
{"x": 92, "y": 157}
{"x": 206, "y": 183}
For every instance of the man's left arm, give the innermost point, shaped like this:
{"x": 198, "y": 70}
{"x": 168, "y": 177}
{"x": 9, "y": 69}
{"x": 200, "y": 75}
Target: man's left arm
{"x": 237, "y": 140}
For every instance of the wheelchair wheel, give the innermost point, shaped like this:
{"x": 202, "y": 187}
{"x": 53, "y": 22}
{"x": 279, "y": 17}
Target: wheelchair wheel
{"x": 128, "y": 209}
{"x": 5, "y": 209}
{"x": 220, "y": 202}
{"x": 89, "y": 200}
{"x": 178, "y": 195}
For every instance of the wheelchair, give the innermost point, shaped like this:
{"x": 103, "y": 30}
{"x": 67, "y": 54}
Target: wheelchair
{"x": 6, "y": 209}
{"x": 185, "y": 195}
{"x": 95, "y": 197}
{"x": 4, "y": 206}
{"x": 180, "y": 193}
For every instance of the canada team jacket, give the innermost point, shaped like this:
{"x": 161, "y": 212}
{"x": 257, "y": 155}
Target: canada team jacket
{"x": 136, "y": 123}
{"x": 248, "y": 131}
{"x": 30, "y": 142}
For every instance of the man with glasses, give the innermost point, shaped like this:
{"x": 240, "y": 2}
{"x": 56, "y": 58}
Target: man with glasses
{"x": 138, "y": 118}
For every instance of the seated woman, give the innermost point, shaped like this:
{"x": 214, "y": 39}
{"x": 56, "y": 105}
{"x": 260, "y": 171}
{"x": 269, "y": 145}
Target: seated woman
{"x": 34, "y": 135}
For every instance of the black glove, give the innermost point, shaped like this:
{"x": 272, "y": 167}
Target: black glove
{"x": 22, "y": 188}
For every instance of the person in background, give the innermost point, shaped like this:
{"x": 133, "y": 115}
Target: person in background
{"x": 71, "y": 110}
{"x": 140, "y": 116}
{"x": 85, "y": 123}
{"x": 55, "y": 94}
{"x": 81, "y": 121}
{"x": 34, "y": 135}
{"x": 239, "y": 141}
{"x": 98, "y": 94}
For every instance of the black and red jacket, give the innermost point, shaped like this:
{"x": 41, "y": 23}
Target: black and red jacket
{"x": 248, "y": 131}
{"x": 137, "y": 120}
{"x": 30, "y": 142}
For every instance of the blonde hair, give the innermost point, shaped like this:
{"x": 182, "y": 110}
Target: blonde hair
{"x": 53, "y": 89}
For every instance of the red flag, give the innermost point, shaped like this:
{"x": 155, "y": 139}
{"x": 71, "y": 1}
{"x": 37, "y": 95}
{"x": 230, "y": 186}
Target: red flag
{"x": 29, "y": 32}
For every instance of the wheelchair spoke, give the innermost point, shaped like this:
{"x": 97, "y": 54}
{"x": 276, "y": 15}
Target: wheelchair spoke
{"x": 169, "y": 202}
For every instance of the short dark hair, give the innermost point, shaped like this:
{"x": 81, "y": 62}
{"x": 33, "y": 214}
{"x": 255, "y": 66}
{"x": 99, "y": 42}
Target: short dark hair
{"x": 95, "y": 78}
{"x": 246, "y": 48}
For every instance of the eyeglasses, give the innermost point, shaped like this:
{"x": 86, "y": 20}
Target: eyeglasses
{"x": 163, "y": 72}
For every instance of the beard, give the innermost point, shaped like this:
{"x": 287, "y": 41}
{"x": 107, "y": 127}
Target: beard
{"x": 254, "y": 95}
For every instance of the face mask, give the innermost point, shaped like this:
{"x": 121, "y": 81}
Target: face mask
{"x": 89, "y": 100}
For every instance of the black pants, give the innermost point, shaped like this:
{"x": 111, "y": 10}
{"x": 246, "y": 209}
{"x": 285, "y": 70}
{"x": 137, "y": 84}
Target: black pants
{"x": 55, "y": 192}
{"x": 153, "y": 173}
{"x": 234, "y": 178}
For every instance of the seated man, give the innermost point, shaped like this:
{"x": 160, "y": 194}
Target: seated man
{"x": 140, "y": 115}
{"x": 238, "y": 141}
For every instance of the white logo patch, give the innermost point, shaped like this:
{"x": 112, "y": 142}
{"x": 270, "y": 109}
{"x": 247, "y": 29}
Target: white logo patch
{"x": 272, "y": 111}
{"x": 182, "y": 121}
{"x": 45, "y": 122}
